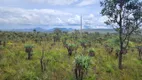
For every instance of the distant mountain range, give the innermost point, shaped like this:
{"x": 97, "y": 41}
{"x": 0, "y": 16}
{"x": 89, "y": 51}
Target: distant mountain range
{"x": 62, "y": 29}
{"x": 39, "y": 29}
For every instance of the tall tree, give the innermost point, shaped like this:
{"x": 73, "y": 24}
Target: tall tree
{"x": 125, "y": 16}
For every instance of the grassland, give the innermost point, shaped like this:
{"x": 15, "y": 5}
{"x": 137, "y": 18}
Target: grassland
{"x": 14, "y": 64}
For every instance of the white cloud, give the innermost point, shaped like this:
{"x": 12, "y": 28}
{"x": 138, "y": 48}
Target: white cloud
{"x": 54, "y": 2}
{"x": 48, "y": 17}
{"x": 102, "y": 27}
{"x": 87, "y": 2}
{"x": 103, "y": 19}
{"x": 31, "y": 17}
{"x": 74, "y": 20}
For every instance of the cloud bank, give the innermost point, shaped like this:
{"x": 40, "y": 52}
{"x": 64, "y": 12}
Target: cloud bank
{"x": 46, "y": 17}
{"x": 54, "y": 2}
{"x": 50, "y": 13}
{"x": 87, "y": 2}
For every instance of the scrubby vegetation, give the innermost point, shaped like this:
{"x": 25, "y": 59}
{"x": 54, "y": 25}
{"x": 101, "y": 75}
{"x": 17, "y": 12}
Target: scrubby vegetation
{"x": 67, "y": 56}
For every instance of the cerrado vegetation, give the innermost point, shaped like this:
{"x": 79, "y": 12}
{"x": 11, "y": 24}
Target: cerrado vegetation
{"x": 29, "y": 50}
{"x": 54, "y": 60}
{"x": 71, "y": 47}
{"x": 94, "y": 61}
{"x": 140, "y": 52}
{"x": 82, "y": 64}
{"x": 91, "y": 52}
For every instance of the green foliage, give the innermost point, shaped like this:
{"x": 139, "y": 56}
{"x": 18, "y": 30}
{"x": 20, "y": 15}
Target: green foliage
{"x": 71, "y": 46}
{"x": 91, "y": 50}
{"x": 83, "y": 43}
{"x": 1, "y": 47}
{"x": 114, "y": 42}
{"x": 30, "y": 75}
{"x": 14, "y": 66}
{"x": 83, "y": 61}
{"x": 109, "y": 68}
{"x": 118, "y": 13}
{"x": 131, "y": 44}
{"x": 29, "y": 46}
{"x": 29, "y": 50}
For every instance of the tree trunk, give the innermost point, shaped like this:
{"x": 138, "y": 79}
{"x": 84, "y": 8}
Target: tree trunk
{"x": 81, "y": 76}
{"x": 0, "y": 42}
{"x": 76, "y": 75}
{"x": 4, "y": 43}
{"x": 42, "y": 62}
{"x": 69, "y": 52}
{"x": 140, "y": 55}
{"x": 29, "y": 55}
{"x": 121, "y": 49}
{"x": 121, "y": 39}
{"x": 120, "y": 60}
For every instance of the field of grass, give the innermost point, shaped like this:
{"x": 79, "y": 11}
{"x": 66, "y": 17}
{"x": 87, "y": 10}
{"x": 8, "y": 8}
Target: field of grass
{"x": 58, "y": 65}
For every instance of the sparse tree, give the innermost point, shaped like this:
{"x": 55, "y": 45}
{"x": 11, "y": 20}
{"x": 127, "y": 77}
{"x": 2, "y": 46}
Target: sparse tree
{"x": 125, "y": 16}
{"x": 34, "y": 31}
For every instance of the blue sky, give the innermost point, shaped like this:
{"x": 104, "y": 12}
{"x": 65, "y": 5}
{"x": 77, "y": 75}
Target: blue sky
{"x": 19, "y": 14}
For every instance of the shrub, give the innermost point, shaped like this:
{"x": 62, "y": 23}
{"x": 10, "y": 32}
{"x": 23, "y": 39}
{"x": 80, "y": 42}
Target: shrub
{"x": 70, "y": 47}
{"x": 81, "y": 66}
{"x": 139, "y": 48}
{"x": 1, "y": 47}
{"x": 91, "y": 52}
{"x": 29, "y": 50}
{"x": 83, "y": 43}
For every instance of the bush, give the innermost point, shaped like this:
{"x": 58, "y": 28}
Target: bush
{"x": 71, "y": 47}
{"x": 29, "y": 46}
{"x": 91, "y": 52}
{"x": 81, "y": 66}
{"x": 84, "y": 43}
{"x": 29, "y": 50}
